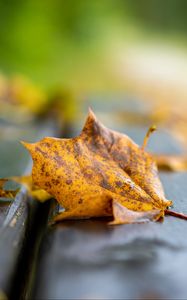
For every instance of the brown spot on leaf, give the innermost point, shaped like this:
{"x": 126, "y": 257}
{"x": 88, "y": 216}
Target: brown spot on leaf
{"x": 119, "y": 183}
{"x": 69, "y": 181}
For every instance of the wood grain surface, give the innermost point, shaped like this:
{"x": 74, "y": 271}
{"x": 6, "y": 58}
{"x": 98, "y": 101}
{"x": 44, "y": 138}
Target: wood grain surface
{"x": 90, "y": 260}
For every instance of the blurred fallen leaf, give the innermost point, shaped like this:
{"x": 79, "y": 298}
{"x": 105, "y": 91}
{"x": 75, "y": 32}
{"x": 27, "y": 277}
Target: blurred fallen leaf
{"x": 171, "y": 162}
{"x": 168, "y": 117}
{"x": 21, "y": 100}
{"x": 6, "y": 195}
{"x": 24, "y": 93}
{"x": 33, "y": 190}
{"x": 3, "y": 296}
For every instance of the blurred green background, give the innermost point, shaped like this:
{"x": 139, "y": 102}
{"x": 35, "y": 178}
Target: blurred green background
{"x": 79, "y": 43}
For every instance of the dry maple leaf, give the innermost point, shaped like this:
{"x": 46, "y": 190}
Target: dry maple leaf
{"x": 99, "y": 173}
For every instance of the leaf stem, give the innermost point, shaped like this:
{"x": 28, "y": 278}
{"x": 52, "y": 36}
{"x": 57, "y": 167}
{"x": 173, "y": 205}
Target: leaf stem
{"x": 175, "y": 214}
{"x": 146, "y": 138}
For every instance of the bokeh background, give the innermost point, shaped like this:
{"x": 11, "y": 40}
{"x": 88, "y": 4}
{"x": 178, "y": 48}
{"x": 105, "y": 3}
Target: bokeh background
{"x": 101, "y": 47}
{"x": 90, "y": 44}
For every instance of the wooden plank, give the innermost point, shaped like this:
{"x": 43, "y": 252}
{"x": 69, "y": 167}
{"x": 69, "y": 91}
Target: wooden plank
{"x": 90, "y": 260}
{"x": 12, "y": 236}
{"x": 16, "y": 219}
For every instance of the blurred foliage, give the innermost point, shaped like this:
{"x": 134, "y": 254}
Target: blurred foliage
{"x": 167, "y": 15}
{"x": 21, "y": 100}
{"x": 55, "y": 41}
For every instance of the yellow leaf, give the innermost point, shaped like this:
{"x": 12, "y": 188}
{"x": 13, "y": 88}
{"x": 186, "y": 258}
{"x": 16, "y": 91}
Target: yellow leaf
{"x": 33, "y": 190}
{"x": 97, "y": 172}
{"x": 172, "y": 162}
{"x": 6, "y": 193}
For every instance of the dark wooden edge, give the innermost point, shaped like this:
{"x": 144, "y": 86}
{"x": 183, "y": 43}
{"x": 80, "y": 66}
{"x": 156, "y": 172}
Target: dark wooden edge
{"x": 20, "y": 237}
{"x": 12, "y": 240}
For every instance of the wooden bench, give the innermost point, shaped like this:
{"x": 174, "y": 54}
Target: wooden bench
{"x": 87, "y": 259}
